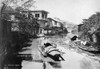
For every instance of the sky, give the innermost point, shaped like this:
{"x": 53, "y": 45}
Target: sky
{"x": 69, "y": 10}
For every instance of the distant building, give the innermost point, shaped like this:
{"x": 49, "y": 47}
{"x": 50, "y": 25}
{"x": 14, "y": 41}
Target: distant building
{"x": 79, "y": 29}
{"x": 54, "y": 23}
{"x": 53, "y": 27}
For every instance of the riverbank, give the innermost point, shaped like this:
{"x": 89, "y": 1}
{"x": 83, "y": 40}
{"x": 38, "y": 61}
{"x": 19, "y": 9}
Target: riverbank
{"x": 88, "y": 51}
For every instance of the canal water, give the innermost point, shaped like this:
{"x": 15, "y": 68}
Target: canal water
{"x": 74, "y": 59}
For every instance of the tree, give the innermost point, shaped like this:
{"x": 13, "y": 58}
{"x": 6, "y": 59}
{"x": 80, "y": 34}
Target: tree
{"x": 27, "y": 24}
{"x": 26, "y": 4}
{"x": 4, "y": 27}
{"x": 90, "y": 25}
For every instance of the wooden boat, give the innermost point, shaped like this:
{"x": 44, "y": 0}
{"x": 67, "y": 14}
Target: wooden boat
{"x": 90, "y": 50}
{"x": 52, "y": 53}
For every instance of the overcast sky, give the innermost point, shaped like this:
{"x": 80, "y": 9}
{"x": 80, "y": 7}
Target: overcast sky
{"x": 69, "y": 10}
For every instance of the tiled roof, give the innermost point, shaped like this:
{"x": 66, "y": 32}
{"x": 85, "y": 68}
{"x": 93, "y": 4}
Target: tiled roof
{"x": 52, "y": 19}
{"x": 36, "y": 11}
{"x": 8, "y": 9}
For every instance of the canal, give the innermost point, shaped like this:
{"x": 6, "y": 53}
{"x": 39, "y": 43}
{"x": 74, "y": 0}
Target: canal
{"x": 74, "y": 59}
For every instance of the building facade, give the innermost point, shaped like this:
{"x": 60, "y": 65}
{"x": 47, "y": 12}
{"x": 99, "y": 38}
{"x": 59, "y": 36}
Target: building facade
{"x": 40, "y": 16}
{"x": 53, "y": 27}
{"x": 46, "y": 25}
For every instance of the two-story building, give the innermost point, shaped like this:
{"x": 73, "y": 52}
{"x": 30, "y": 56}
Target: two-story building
{"x": 46, "y": 25}
{"x": 40, "y": 16}
{"x": 54, "y": 23}
{"x": 53, "y": 26}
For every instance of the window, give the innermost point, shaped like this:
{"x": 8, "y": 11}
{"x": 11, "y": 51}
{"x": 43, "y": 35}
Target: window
{"x": 43, "y": 16}
{"x": 55, "y": 23}
{"x": 36, "y": 15}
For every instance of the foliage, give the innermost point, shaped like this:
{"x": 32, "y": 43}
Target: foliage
{"x": 27, "y": 24}
{"x": 4, "y": 30}
{"x": 90, "y": 25}
{"x": 26, "y": 4}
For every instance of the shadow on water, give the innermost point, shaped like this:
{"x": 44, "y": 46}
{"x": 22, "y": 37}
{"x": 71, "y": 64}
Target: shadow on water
{"x": 13, "y": 60}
